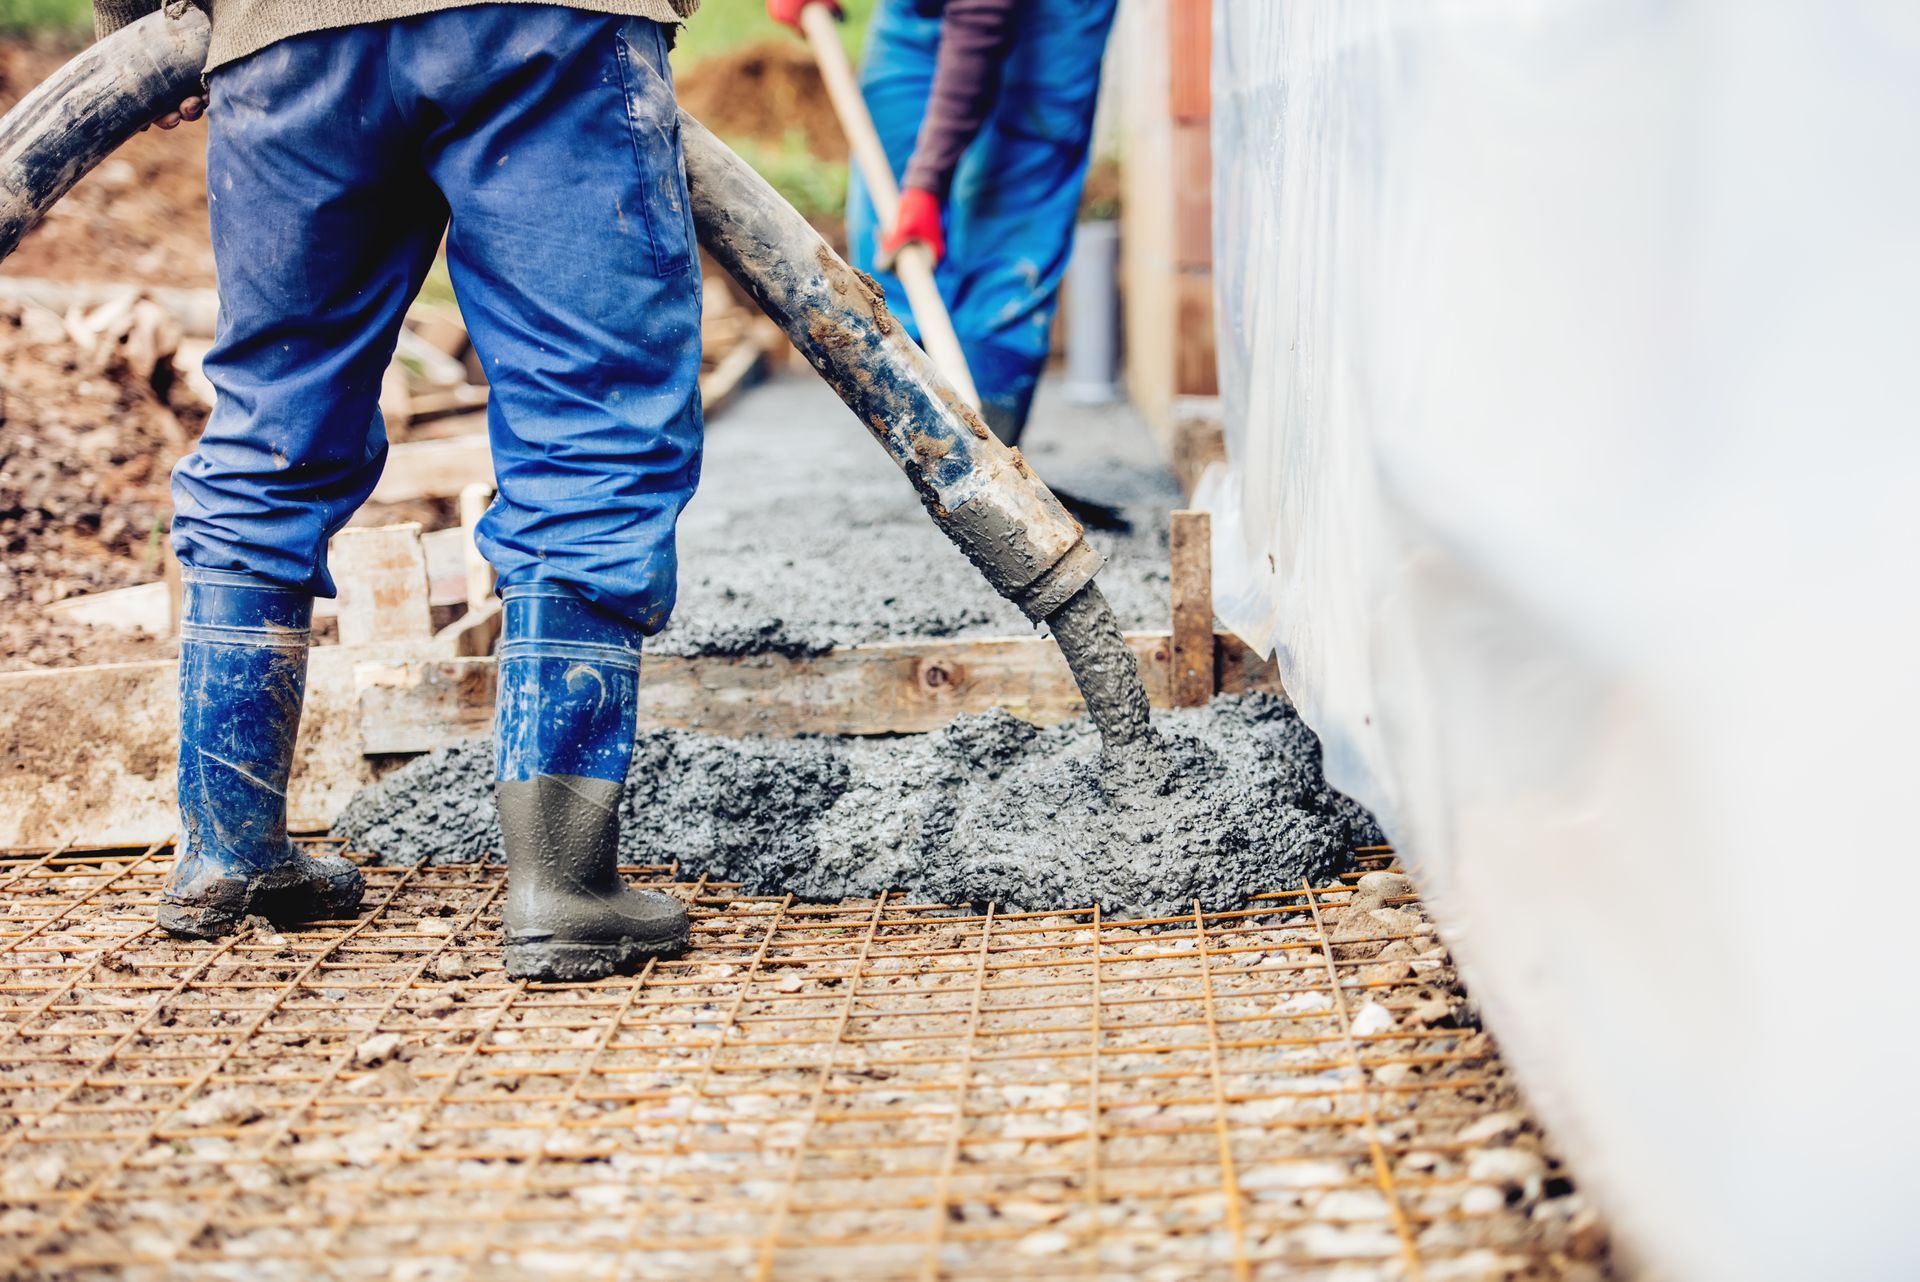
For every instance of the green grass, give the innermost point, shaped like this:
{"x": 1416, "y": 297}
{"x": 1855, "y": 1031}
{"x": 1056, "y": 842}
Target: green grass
{"x": 719, "y": 26}
{"x": 722, "y": 25}
{"x": 37, "y": 15}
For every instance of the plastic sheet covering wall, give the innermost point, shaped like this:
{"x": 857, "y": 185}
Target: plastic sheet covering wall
{"x": 1572, "y": 380}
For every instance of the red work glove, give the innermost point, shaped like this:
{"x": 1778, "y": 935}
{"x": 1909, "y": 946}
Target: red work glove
{"x": 788, "y": 11}
{"x": 918, "y": 220}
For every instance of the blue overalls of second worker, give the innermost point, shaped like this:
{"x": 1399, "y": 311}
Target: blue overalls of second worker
{"x": 1015, "y": 194}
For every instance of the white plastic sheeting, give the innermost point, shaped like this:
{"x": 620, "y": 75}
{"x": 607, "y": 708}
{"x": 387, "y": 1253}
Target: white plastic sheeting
{"x": 1570, "y": 354}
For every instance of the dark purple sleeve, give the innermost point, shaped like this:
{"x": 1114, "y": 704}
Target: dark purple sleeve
{"x": 974, "y": 38}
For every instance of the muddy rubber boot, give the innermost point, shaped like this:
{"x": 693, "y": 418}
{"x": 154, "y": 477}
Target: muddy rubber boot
{"x": 569, "y": 697}
{"x": 243, "y": 675}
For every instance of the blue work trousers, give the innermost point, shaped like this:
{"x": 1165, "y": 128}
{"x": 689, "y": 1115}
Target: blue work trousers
{"x": 544, "y": 143}
{"x": 1016, "y": 192}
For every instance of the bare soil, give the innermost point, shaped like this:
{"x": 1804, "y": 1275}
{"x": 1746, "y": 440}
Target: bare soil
{"x": 84, "y": 457}
{"x": 765, "y": 92}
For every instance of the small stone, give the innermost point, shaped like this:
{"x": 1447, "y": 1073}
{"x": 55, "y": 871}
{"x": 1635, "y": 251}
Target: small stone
{"x": 434, "y": 926}
{"x": 789, "y": 984}
{"x": 1431, "y": 1012}
{"x": 1492, "y": 1128}
{"x": 1352, "y": 1204}
{"x": 1393, "y": 921}
{"x": 1045, "y": 1242}
{"x": 1373, "y": 1019}
{"x": 449, "y": 966}
{"x": 376, "y": 1049}
{"x": 1033, "y": 1212}
{"x": 23, "y": 1177}
{"x": 1304, "y": 1004}
{"x": 1482, "y": 1200}
{"x": 1421, "y": 1160}
{"x": 1392, "y": 1074}
{"x": 1587, "y": 1236}
{"x": 116, "y": 174}
{"x": 1507, "y": 1167}
{"x": 222, "y": 1108}
{"x": 1387, "y": 885}
{"x": 1293, "y": 1175}
{"x": 1385, "y": 973}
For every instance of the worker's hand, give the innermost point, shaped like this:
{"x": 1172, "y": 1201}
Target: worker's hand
{"x": 191, "y": 109}
{"x": 788, "y": 11}
{"x": 918, "y": 220}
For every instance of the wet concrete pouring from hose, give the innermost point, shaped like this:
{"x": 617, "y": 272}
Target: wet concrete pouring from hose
{"x": 1210, "y": 804}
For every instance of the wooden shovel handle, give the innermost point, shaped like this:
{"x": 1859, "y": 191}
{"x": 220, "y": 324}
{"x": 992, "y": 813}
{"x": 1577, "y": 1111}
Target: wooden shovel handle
{"x": 914, "y": 263}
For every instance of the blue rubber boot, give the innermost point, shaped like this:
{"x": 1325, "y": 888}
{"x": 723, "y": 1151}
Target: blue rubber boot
{"x": 569, "y": 698}
{"x": 243, "y": 675}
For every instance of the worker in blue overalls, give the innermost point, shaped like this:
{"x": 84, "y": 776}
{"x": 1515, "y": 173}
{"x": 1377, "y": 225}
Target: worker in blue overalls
{"x": 985, "y": 108}
{"x": 344, "y": 141}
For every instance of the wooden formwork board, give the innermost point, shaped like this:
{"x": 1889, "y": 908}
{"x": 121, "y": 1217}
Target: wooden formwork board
{"x": 90, "y": 751}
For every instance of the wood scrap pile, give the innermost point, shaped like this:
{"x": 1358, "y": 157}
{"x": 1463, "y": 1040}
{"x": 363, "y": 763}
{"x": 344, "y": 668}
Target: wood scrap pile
{"x": 104, "y": 391}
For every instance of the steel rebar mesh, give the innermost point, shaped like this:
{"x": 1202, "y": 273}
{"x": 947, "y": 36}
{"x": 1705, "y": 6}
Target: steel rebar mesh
{"x": 874, "y": 1089}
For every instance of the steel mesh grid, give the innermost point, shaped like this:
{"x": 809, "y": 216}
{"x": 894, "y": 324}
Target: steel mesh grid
{"x": 868, "y": 1089}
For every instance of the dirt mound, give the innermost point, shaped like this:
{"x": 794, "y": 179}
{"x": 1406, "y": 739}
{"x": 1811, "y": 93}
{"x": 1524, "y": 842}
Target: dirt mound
{"x": 86, "y": 444}
{"x": 140, "y": 217}
{"x": 764, "y": 91}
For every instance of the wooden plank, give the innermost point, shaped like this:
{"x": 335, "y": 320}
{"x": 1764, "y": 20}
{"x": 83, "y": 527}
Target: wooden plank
{"x": 1199, "y": 439}
{"x": 738, "y": 370}
{"x": 381, "y": 574}
{"x": 476, "y": 572}
{"x": 146, "y": 607}
{"x": 90, "y": 751}
{"x": 1196, "y": 371}
{"x": 440, "y": 402}
{"x": 1190, "y": 541}
{"x": 889, "y": 688}
{"x": 474, "y": 633}
{"x": 1192, "y": 195}
{"x": 446, "y": 565}
{"x": 1190, "y": 58}
{"x": 196, "y": 311}
{"x": 437, "y": 469}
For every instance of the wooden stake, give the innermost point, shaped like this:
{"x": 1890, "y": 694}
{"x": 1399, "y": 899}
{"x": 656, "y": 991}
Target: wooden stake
{"x": 474, "y": 501}
{"x": 1193, "y": 659}
{"x": 381, "y": 574}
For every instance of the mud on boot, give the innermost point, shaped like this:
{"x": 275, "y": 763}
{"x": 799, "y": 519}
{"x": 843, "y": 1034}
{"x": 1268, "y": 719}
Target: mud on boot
{"x": 317, "y": 888}
{"x": 243, "y": 674}
{"x": 569, "y": 698}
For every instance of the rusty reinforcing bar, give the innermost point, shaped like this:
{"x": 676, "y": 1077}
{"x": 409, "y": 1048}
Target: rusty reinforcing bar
{"x": 867, "y": 1089}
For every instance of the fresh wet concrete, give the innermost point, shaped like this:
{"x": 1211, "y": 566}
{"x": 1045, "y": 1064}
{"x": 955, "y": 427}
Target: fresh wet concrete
{"x": 804, "y": 536}
{"x": 1230, "y": 801}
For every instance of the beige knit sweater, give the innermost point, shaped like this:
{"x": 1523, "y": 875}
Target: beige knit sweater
{"x": 241, "y": 27}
